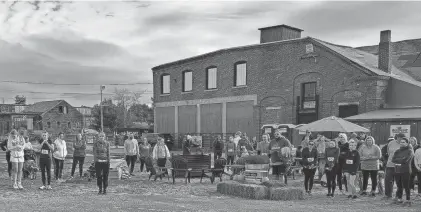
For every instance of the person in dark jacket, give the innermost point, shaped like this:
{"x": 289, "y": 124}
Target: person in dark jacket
{"x": 218, "y": 147}
{"x": 351, "y": 162}
{"x": 414, "y": 143}
{"x": 3, "y": 146}
{"x": 79, "y": 147}
{"x": 275, "y": 156}
{"x": 309, "y": 161}
{"x": 343, "y": 148}
{"x": 402, "y": 159}
{"x": 332, "y": 156}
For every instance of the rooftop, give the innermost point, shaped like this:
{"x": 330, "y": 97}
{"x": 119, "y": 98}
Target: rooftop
{"x": 282, "y": 25}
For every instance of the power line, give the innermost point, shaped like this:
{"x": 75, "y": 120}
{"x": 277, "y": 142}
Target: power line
{"x": 51, "y": 83}
{"x": 71, "y": 93}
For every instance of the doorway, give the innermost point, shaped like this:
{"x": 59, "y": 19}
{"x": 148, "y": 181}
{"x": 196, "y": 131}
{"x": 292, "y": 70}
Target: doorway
{"x": 348, "y": 110}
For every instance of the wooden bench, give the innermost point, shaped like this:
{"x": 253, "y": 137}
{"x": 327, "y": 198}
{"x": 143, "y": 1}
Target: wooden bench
{"x": 256, "y": 171}
{"x": 191, "y": 166}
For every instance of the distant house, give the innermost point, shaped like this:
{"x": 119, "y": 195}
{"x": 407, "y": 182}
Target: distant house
{"x": 55, "y": 116}
{"x": 13, "y": 117}
{"x": 88, "y": 118}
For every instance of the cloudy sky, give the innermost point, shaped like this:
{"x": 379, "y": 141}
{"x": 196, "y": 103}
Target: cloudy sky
{"x": 119, "y": 42}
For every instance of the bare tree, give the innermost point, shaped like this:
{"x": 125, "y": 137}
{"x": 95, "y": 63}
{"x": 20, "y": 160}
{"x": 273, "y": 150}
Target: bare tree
{"x": 125, "y": 99}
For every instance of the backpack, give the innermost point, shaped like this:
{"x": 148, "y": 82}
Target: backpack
{"x": 219, "y": 145}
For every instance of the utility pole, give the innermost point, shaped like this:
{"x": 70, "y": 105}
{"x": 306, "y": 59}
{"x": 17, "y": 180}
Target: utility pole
{"x": 102, "y": 115}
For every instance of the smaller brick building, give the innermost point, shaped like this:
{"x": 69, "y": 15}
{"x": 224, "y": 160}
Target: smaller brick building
{"x": 56, "y": 116}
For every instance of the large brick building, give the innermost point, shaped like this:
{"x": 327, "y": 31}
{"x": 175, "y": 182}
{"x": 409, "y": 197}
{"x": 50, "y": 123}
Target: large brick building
{"x": 284, "y": 79}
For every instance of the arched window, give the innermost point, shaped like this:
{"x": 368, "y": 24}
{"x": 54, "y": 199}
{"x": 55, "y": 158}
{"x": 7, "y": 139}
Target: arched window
{"x": 165, "y": 84}
{"x": 211, "y": 77}
{"x": 240, "y": 74}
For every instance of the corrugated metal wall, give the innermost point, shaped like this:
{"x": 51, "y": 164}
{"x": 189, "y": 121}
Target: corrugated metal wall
{"x": 165, "y": 119}
{"x": 187, "y": 119}
{"x": 211, "y": 118}
{"x": 240, "y": 117}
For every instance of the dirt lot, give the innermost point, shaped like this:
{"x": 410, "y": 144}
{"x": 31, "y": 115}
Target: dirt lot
{"x": 139, "y": 194}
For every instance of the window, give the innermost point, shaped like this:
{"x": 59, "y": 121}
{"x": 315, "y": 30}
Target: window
{"x": 348, "y": 110}
{"x": 48, "y": 124}
{"x": 65, "y": 109}
{"x": 187, "y": 81}
{"x": 308, "y": 93}
{"x": 60, "y": 109}
{"x": 165, "y": 84}
{"x": 69, "y": 125}
{"x": 58, "y": 124}
{"x": 240, "y": 74}
{"x": 211, "y": 78}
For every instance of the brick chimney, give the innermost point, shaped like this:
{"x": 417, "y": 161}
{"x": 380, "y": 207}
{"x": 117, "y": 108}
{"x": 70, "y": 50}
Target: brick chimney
{"x": 279, "y": 33}
{"x": 385, "y": 49}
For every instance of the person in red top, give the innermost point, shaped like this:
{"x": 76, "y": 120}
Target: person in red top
{"x": 309, "y": 161}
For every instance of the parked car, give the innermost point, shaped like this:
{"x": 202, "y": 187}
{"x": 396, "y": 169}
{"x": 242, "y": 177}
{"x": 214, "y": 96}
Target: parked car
{"x": 153, "y": 139}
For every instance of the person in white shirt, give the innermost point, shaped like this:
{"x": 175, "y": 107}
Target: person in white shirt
{"x": 161, "y": 153}
{"x": 15, "y": 144}
{"x": 60, "y": 153}
{"x": 237, "y": 137}
{"x": 131, "y": 150}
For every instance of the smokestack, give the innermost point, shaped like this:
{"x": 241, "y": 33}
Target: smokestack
{"x": 385, "y": 48}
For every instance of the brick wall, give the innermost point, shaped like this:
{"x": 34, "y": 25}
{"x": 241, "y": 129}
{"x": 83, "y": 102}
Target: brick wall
{"x": 275, "y": 73}
{"x": 53, "y": 116}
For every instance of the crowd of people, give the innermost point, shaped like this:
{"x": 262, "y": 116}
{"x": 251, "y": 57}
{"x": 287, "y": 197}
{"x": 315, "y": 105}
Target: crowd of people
{"x": 55, "y": 152}
{"x": 345, "y": 162}
{"x": 360, "y": 159}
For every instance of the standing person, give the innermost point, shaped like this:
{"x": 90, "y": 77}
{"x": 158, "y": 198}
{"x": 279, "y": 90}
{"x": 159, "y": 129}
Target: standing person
{"x": 144, "y": 152}
{"x": 343, "y": 148}
{"x": 309, "y": 161}
{"x": 15, "y": 144}
{"x": 218, "y": 148}
{"x": 415, "y": 173}
{"x": 9, "y": 163}
{"x": 101, "y": 150}
{"x": 390, "y": 166}
{"x": 332, "y": 156}
{"x": 275, "y": 147}
{"x": 243, "y": 145}
{"x": 59, "y": 155}
{"x": 187, "y": 145}
{"x": 417, "y": 163}
{"x": 230, "y": 150}
{"x": 161, "y": 153}
{"x": 131, "y": 150}
{"x": 79, "y": 153}
{"x": 321, "y": 157}
{"x": 237, "y": 137}
{"x": 370, "y": 154}
{"x": 47, "y": 147}
{"x": 402, "y": 160}
{"x": 306, "y": 139}
{"x": 263, "y": 146}
{"x": 350, "y": 167}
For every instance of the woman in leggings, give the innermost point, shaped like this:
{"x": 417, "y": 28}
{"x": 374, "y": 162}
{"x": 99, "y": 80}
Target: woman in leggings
{"x": 59, "y": 155}
{"x": 309, "y": 155}
{"x": 101, "y": 150}
{"x": 402, "y": 160}
{"x": 79, "y": 152}
{"x": 47, "y": 147}
{"x": 370, "y": 154}
{"x": 332, "y": 155}
{"x": 343, "y": 149}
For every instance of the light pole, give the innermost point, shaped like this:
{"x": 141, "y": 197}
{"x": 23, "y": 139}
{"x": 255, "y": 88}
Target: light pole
{"x": 102, "y": 115}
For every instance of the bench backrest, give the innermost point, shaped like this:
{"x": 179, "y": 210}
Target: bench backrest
{"x": 196, "y": 163}
{"x": 256, "y": 167}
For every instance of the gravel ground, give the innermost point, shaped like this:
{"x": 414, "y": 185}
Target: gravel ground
{"x": 139, "y": 194}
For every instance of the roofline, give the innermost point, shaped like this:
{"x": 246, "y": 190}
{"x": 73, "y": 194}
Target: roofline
{"x": 219, "y": 51}
{"x": 21, "y": 113}
{"x": 282, "y": 25}
{"x": 59, "y": 101}
{"x": 384, "y": 119}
